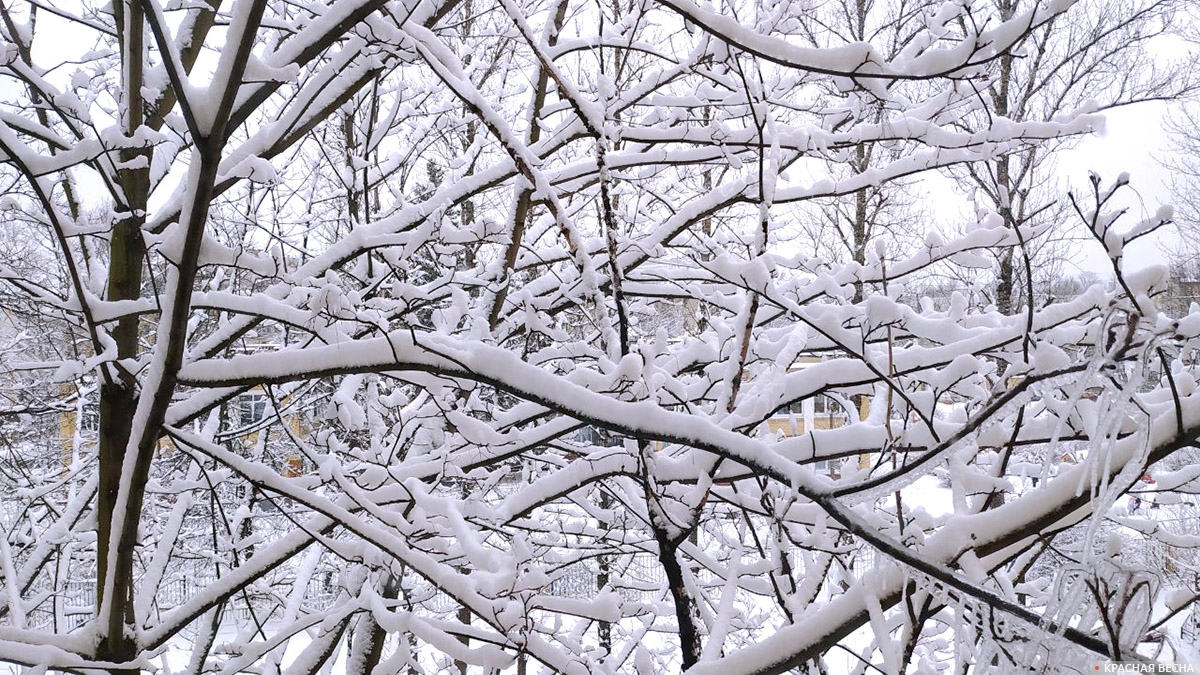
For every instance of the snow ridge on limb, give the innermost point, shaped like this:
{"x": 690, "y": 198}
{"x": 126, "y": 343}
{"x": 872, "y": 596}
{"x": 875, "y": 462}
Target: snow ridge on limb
{"x": 861, "y": 60}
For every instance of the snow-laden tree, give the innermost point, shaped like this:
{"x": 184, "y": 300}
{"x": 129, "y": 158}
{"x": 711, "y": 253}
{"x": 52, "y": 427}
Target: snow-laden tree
{"x": 1103, "y": 57}
{"x": 849, "y": 227}
{"x": 445, "y": 337}
{"x": 1183, "y": 168}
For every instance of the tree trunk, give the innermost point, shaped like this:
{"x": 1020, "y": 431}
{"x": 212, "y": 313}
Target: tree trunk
{"x": 1005, "y": 282}
{"x": 118, "y": 396}
{"x": 690, "y": 642}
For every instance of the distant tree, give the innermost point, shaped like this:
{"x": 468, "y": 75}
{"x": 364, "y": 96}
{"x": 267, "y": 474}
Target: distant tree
{"x": 884, "y": 214}
{"x": 1097, "y": 59}
{"x": 1183, "y": 172}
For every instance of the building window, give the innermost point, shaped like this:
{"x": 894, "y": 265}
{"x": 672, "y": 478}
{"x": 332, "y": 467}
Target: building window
{"x": 252, "y": 408}
{"x": 590, "y": 435}
{"x": 89, "y": 419}
{"x": 821, "y": 405}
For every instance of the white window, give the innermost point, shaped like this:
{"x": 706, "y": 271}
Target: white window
{"x": 252, "y": 408}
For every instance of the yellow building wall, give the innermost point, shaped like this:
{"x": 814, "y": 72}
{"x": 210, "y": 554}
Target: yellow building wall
{"x": 783, "y": 424}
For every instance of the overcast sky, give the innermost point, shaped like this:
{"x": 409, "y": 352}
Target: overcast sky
{"x": 1132, "y": 142}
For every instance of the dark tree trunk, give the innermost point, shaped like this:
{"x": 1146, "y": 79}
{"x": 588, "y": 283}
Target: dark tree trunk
{"x": 118, "y": 396}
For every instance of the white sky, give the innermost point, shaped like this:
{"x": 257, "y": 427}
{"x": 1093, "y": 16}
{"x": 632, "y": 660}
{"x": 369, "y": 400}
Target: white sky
{"x": 1132, "y": 142}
